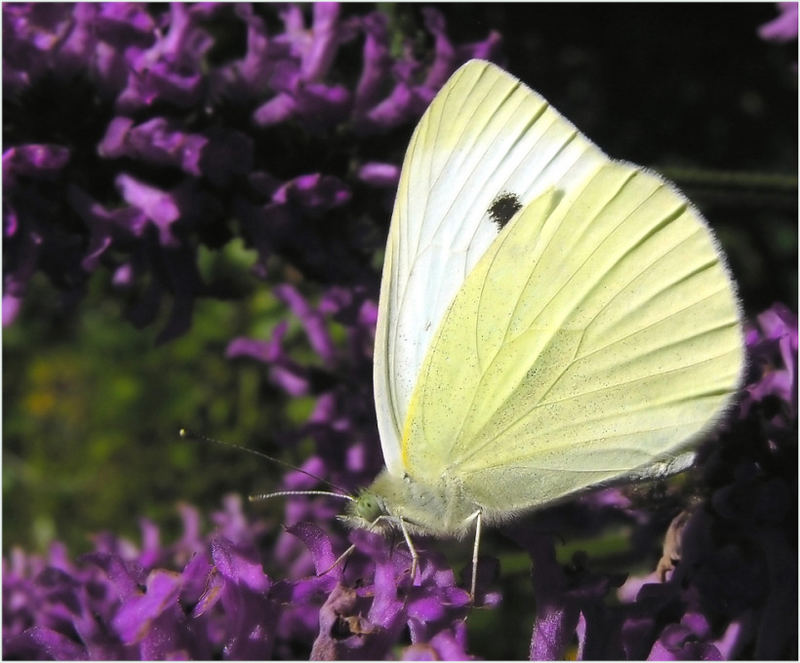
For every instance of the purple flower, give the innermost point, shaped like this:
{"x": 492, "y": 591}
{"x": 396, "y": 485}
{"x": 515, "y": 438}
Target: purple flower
{"x": 284, "y": 372}
{"x": 169, "y": 70}
{"x": 379, "y": 174}
{"x": 158, "y": 207}
{"x": 774, "y": 349}
{"x": 154, "y": 141}
{"x": 685, "y": 642}
{"x": 23, "y": 264}
{"x": 367, "y": 622}
{"x": 177, "y": 132}
{"x": 782, "y": 28}
{"x": 114, "y": 603}
{"x": 33, "y": 161}
{"x": 313, "y": 193}
{"x": 21, "y": 166}
{"x": 211, "y": 597}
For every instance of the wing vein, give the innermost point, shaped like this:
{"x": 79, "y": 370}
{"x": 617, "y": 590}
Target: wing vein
{"x": 540, "y": 404}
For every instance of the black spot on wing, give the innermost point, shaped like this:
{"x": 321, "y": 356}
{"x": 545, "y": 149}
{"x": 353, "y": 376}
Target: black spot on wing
{"x": 503, "y": 207}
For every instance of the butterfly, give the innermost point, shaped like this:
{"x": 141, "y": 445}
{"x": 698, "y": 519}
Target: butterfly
{"x": 550, "y": 319}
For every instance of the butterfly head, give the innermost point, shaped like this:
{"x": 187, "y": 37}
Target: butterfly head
{"x": 365, "y": 511}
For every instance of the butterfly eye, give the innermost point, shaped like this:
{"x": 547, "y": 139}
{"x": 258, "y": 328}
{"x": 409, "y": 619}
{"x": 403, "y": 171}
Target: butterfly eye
{"x": 503, "y": 207}
{"x": 368, "y": 507}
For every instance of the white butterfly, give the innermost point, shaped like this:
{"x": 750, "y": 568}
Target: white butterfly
{"x": 550, "y": 319}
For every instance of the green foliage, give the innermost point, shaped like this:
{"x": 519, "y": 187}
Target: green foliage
{"x": 93, "y": 408}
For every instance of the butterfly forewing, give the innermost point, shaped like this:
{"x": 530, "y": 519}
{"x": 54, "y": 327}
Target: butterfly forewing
{"x": 486, "y": 138}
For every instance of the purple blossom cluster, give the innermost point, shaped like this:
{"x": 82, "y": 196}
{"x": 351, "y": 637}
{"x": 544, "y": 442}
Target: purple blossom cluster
{"x": 137, "y": 135}
{"x": 206, "y": 597}
{"x": 726, "y": 586}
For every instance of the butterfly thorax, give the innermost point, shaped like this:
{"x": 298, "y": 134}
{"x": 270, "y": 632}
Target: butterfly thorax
{"x": 440, "y": 510}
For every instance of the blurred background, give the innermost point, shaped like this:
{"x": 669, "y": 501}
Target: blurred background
{"x": 92, "y": 403}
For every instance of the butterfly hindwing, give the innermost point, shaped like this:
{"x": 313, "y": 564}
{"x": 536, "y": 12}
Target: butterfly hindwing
{"x": 597, "y": 336}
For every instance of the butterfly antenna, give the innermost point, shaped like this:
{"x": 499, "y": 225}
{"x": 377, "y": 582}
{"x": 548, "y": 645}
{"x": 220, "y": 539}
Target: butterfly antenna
{"x": 290, "y": 493}
{"x": 187, "y": 434}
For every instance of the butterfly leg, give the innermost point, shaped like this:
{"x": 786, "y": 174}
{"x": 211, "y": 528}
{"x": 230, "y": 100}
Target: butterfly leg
{"x": 339, "y": 560}
{"x": 411, "y": 549}
{"x": 350, "y": 550}
{"x": 476, "y": 546}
